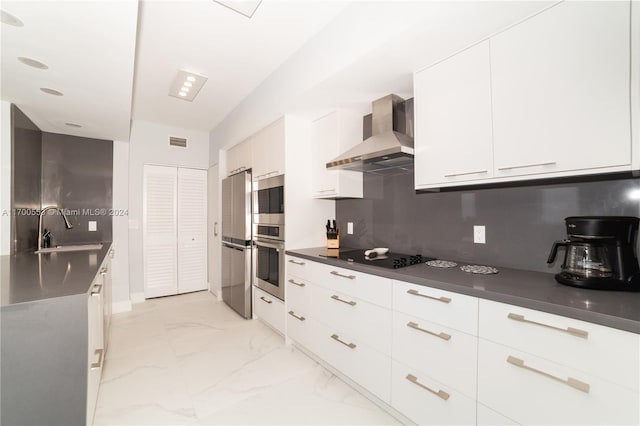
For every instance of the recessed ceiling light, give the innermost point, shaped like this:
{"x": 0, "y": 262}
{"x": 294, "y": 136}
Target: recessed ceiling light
{"x": 9, "y": 19}
{"x": 51, "y": 91}
{"x": 33, "y": 63}
{"x": 244, "y": 7}
{"x": 187, "y": 85}
{"x": 73, "y": 125}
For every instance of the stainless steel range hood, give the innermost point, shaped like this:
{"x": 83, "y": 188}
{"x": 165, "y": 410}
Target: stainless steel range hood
{"x": 387, "y": 150}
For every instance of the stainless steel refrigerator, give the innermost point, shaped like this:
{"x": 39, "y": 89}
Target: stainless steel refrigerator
{"x": 236, "y": 242}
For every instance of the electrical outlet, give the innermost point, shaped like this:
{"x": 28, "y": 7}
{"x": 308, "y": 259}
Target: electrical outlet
{"x": 479, "y": 234}
{"x": 350, "y": 228}
{"x": 93, "y": 225}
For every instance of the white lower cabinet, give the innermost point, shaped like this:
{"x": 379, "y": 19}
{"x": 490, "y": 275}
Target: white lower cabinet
{"x": 536, "y": 391}
{"x": 269, "y": 309}
{"x": 96, "y": 348}
{"x": 485, "y": 416}
{"x": 427, "y": 401}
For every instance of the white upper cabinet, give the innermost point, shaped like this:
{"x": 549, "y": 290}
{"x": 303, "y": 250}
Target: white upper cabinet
{"x": 560, "y": 86}
{"x": 268, "y": 151}
{"x": 453, "y": 109}
{"x": 548, "y": 97}
{"x": 331, "y": 135}
{"x": 240, "y": 157}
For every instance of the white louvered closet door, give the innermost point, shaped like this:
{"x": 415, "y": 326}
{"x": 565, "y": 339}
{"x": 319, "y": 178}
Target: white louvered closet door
{"x": 192, "y": 230}
{"x": 160, "y": 231}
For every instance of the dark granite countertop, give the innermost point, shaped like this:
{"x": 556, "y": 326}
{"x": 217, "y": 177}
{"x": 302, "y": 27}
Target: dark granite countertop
{"x": 29, "y": 277}
{"x": 534, "y": 290}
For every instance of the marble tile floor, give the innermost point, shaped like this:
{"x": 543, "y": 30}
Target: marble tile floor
{"x": 191, "y": 360}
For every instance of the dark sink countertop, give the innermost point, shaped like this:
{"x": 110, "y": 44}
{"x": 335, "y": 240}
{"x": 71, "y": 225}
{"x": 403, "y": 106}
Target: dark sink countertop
{"x": 528, "y": 289}
{"x": 29, "y": 277}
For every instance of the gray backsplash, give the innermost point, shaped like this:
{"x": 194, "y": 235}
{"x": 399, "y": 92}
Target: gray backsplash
{"x": 77, "y": 175}
{"x": 521, "y": 222}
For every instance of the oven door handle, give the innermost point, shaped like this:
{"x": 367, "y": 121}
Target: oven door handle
{"x": 269, "y": 244}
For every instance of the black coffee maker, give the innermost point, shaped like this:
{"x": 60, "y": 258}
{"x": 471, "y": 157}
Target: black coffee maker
{"x": 600, "y": 253}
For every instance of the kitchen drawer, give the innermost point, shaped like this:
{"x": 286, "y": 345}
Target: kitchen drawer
{"x": 298, "y": 294}
{"x": 447, "y": 355}
{"x": 363, "y": 364}
{"x": 427, "y": 401}
{"x": 370, "y": 288}
{"x": 269, "y": 309}
{"x": 538, "y": 391}
{"x": 601, "y": 351}
{"x": 441, "y": 307}
{"x": 487, "y": 417}
{"x": 303, "y": 330}
{"x": 370, "y": 323}
{"x": 301, "y": 268}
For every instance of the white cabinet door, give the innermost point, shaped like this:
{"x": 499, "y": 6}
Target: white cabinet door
{"x": 192, "y": 230}
{"x": 268, "y": 151}
{"x": 240, "y": 157}
{"x": 453, "y": 140}
{"x": 560, "y": 88}
{"x": 330, "y": 136}
{"x": 269, "y": 309}
{"x": 160, "y": 232}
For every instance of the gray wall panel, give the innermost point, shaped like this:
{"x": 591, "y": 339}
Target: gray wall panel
{"x": 521, "y": 222}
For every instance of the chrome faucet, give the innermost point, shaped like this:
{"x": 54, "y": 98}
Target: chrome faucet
{"x": 67, "y": 224}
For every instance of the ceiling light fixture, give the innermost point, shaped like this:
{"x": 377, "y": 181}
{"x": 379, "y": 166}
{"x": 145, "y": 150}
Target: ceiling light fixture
{"x": 51, "y": 91}
{"x": 9, "y": 19}
{"x": 243, "y": 7}
{"x": 187, "y": 85}
{"x": 33, "y": 63}
{"x": 73, "y": 125}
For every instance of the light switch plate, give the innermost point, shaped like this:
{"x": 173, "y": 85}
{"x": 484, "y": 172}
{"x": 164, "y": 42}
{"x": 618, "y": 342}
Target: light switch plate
{"x": 350, "y": 228}
{"x": 479, "y": 234}
{"x": 93, "y": 225}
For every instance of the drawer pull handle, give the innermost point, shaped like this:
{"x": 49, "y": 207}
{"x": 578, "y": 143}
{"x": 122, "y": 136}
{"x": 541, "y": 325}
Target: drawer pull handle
{"x": 337, "y": 339}
{"x": 265, "y": 300}
{"x": 573, "y": 331}
{"x": 574, "y": 383}
{"x": 96, "y": 290}
{"x": 443, "y": 336}
{"x": 440, "y": 393}
{"x": 439, "y": 299}
{"x": 477, "y": 172}
{"x": 297, "y": 283}
{"x": 338, "y": 274}
{"x": 327, "y": 190}
{"x": 296, "y": 317}
{"x": 348, "y": 302}
{"x": 296, "y": 263}
{"x": 104, "y": 271}
{"x": 96, "y": 365}
{"x": 522, "y": 166}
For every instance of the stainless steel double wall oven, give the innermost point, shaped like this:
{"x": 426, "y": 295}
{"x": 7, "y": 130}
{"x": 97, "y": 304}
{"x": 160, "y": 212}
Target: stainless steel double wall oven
{"x": 268, "y": 203}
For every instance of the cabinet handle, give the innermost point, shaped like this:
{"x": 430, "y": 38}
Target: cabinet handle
{"x": 215, "y": 229}
{"x": 112, "y": 253}
{"x": 296, "y": 317}
{"x": 337, "y": 274}
{"x": 477, "y": 172}
{"x": 573, "y": 331}
{"x": 295, "y": 262}
{"x": 570, "y": 381}
{"x": 96, "y": 290}
{"x": 443, "y": 336}
{"x": 439, "y": 299}
{"x": 351, "y": 302}
{"x": 337, "y": 339}
{"x": 96, "y": 365}
{"x": 327, "y": 190}
{"x": 265, "y": 300}
{"x": 440, "y": 393}
{"x": 547, "y": 163}
{"x": 104, "y": 271}
{"x": 297, "y": 283}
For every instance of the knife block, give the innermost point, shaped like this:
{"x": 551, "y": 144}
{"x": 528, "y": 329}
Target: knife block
{"x": 333, "y": 241}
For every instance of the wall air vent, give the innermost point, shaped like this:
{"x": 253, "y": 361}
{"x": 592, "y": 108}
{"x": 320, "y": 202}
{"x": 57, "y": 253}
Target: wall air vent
{"x": 180, "y": 142}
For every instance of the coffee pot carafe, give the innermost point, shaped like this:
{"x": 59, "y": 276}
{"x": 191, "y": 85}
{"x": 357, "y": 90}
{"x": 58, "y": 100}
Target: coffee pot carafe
{"x": 600, "y": 253}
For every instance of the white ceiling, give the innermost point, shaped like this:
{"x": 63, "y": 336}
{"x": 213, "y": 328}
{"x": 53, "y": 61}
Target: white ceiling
{"x": 89, "y": 47}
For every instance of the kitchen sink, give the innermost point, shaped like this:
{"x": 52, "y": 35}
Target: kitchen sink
{"x": 77, "y": 247}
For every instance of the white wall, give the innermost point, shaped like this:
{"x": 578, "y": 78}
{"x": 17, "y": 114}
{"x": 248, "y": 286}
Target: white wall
{"x": 149, "y": 144}
{"x": 5, "y": 178}
{"x": 120, "y": 262}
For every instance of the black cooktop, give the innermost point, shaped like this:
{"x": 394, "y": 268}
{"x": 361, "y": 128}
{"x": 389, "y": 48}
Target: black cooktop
{"x": 390, "y": 260}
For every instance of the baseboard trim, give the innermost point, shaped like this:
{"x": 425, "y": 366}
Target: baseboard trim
{"x": 124, "y": 306}
{"x": 137, "y": 297}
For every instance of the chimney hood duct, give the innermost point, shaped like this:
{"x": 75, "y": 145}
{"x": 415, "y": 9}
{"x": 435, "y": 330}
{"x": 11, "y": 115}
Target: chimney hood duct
{"x": 387, "y": 150}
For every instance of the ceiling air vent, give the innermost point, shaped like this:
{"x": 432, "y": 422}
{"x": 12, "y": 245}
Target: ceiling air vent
{"x": 175, "y": 141}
